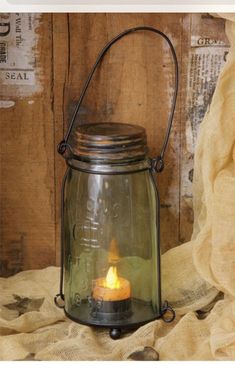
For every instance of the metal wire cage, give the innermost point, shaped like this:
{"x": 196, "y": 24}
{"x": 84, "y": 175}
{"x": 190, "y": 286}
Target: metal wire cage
{"x": 110, "y": 220}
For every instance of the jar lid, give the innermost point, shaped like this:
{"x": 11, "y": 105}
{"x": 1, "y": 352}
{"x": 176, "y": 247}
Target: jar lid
{"x": 109, "y": 143}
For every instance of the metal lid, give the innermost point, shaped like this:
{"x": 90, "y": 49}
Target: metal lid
{"x": 109, "y": 143}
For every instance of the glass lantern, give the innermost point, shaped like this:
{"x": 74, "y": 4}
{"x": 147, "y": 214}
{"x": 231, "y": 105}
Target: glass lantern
{"x": 110, "y": 229}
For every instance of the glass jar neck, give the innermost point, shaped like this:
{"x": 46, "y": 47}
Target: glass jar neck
{"x": 111, "y": 168}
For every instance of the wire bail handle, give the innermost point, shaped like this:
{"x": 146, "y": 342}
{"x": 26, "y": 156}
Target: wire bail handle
{"x": 157, "y": 163}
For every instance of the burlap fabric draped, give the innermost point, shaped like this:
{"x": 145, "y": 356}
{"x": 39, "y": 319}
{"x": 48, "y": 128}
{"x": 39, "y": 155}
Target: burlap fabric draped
{"x": 31, "y": 327}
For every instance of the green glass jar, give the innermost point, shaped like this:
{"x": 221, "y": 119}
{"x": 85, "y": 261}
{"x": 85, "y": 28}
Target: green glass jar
{"x": 110, "y": 241}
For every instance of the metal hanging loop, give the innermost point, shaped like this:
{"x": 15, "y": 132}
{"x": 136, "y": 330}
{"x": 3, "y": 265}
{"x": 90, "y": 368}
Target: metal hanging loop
{"x": 168, "y": 313}
{"x": 59, "y": 300}
{"x": 157, "y": 162}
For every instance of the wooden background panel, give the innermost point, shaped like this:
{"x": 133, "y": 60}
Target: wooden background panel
{"x": 133, "y": 85}
{"x": 27, "y": 194}
{"x": 203, "y": 36}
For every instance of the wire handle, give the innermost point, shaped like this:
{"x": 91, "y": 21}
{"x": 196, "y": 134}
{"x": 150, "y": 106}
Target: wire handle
{"x": 157, "y": 162}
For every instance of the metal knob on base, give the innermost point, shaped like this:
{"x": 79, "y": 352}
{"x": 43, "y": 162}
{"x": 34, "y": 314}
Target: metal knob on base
{"x": 115, "y": 333}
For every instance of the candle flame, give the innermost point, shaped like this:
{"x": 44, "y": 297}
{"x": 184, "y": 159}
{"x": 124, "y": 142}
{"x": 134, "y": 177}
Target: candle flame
{"x": 112, "y": 280}
{"x": 113, "y": 254}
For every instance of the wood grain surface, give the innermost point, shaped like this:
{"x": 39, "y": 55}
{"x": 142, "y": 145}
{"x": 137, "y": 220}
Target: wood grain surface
{"x": 133, "y": 85}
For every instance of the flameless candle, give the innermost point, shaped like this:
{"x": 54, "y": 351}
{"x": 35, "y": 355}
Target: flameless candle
{"x": 112, "y": 287}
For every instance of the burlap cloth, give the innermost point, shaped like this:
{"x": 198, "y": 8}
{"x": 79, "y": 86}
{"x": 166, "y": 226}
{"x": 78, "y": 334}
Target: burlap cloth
{"x": 31, "y": 327}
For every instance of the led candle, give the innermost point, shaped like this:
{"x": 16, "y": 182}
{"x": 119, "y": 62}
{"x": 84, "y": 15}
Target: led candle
{"x": 112, "y": 287}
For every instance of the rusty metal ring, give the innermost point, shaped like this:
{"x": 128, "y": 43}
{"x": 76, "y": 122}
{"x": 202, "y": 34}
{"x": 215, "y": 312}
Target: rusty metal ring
{"x": 157, "y": 164}
{"x": 167, "y": 309}
{"x": 59, "y": 305}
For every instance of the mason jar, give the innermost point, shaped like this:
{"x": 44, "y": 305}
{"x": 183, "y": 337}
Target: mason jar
{"x": 110, "y": 236}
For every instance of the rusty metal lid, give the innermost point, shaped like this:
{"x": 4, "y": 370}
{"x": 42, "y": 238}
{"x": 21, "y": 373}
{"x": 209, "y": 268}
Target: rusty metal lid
{"x": 109, "y": 143}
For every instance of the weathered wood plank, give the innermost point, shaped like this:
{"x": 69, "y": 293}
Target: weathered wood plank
{"x": 27, "y": 167}
{"x": 61, "y": 58}
{"x": 203, "y": 54}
